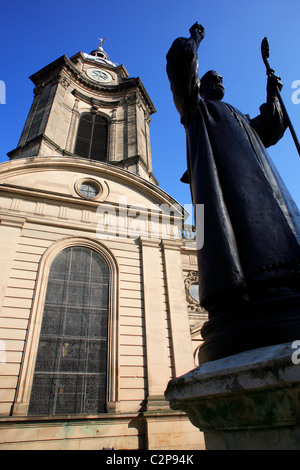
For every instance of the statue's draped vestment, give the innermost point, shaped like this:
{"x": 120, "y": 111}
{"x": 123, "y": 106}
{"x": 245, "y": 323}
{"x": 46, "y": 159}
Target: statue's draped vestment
{"x": 251, "y": 223}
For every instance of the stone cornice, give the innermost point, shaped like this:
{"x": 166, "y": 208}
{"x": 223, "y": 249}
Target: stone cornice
{"x": 9, "y": 220}
{"x": 52, "y": 71}
{"x": 95, "y": 102}
{"x": 103, "y": 169}
{"x": 118, "y": 69}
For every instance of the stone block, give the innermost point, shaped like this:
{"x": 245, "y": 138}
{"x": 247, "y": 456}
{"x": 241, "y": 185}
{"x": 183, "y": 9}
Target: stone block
{"x": 245, "y": 401}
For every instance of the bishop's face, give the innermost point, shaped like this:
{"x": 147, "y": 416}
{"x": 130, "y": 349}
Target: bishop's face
{"x": 211, "y": 86}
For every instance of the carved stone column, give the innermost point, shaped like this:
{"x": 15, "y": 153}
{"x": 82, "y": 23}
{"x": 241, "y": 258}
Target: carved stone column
{"x": 180, "y": 328}
{"x": 158, "y": 367}
{"x": 73, "y": 124}
{"x": 12, "y": 226}
{"x": 112, "y": 136}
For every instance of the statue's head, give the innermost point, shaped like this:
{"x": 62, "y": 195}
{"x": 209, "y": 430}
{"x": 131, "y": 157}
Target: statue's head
{"x": 211, "y": 86}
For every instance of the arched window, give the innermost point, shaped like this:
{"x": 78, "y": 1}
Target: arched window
{"x": 91, "y": 139}
{"x": 71, "y": 365}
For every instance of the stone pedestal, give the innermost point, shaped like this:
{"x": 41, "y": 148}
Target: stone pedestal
{"x": 247, "y": 401}
{"x": 254, "y": 324}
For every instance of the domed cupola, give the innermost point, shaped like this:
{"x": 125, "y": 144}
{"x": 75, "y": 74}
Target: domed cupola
{"x": 100, "y": 55}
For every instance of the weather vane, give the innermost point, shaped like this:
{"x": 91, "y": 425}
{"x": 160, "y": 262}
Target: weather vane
{"x": 101, "y": 41}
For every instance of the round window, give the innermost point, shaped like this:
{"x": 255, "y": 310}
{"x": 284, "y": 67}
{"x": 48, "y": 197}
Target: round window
{"x": 89, "y": 189}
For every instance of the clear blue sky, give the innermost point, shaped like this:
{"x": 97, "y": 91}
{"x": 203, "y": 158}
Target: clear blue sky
{"x": 139, "y": 34}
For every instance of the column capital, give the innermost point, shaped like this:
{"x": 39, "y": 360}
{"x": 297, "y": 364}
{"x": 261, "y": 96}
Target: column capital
{"x": 151, "y": 242}
{"x": 168, "y": 244}
{"x": 8, "y": 220}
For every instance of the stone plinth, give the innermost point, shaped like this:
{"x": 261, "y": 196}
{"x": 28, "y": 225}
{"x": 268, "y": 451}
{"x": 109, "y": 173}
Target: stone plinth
{"x": 248, "y": 401}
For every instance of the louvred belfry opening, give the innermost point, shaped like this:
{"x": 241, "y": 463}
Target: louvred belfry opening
{"x": 91, "y": 139}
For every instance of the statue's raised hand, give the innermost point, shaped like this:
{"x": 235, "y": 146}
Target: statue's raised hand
{"x": 197, "y": 33}
{"x": 273, "y": 84}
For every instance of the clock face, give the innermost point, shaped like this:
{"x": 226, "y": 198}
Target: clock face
{"x": 99, "y": 75}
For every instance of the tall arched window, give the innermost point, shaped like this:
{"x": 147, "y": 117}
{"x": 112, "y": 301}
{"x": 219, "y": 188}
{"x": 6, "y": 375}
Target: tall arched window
{"x": 71, "y": 365}
{"x": 91, "y": 139}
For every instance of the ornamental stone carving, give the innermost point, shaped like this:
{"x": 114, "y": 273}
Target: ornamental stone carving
{"x": 191, "y": 284}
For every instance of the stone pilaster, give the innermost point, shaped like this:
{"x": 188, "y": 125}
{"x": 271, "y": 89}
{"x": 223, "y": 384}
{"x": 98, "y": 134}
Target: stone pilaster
{"x": 180, "y": 328}
{"x": 158, "y": 369}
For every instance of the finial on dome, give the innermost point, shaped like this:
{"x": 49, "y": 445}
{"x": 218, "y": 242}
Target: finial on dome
{"x": 100, "y": 51}
{"x": 99, "y": 55}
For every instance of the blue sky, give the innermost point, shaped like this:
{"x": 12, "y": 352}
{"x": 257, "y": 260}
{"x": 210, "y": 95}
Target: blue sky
{"x": 139, "y": 34}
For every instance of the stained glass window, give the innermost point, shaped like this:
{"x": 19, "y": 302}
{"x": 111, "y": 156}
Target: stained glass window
{"x": 70, "y": 370}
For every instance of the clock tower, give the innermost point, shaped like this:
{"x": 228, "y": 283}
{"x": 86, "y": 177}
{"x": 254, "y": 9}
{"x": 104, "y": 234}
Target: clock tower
{"x": 88, "y": 106}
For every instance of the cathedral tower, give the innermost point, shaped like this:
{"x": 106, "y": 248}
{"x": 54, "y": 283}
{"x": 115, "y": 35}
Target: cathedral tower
{"x": 88, "y": 106}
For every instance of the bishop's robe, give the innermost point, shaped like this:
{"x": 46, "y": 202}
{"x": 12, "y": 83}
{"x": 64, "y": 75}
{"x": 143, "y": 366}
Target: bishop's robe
{"x": 251, "y": 223}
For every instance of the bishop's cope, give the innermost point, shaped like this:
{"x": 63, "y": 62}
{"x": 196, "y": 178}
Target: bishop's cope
{"x": 249, "y": 263}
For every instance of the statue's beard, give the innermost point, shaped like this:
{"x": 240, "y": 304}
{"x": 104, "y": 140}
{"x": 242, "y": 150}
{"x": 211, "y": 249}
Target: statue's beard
{"x": 217, "y": 93}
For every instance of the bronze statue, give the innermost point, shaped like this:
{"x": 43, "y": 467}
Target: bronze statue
{"x": 251, "y": 251}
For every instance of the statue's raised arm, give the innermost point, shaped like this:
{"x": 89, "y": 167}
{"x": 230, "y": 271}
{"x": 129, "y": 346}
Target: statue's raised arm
{"x": 182, "y": 70}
